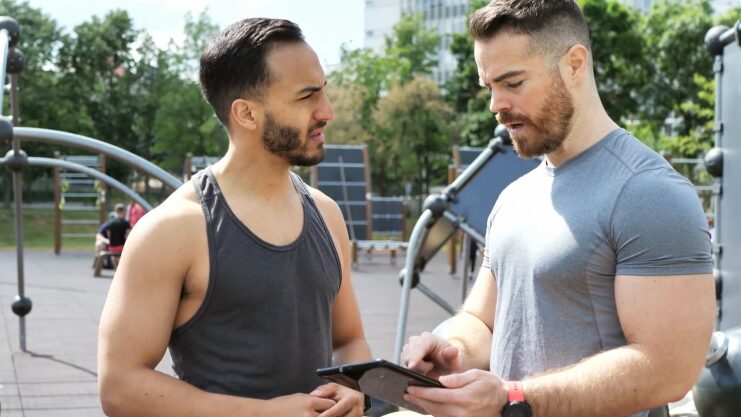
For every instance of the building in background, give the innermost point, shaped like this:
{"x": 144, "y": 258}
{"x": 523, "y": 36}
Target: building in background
{"x": 447, "y": 17}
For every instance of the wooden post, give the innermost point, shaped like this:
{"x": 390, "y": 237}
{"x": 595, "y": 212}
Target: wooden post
{"x": 103, "y": 207}
{"x": 188, "y": 166}
{"x": 57, "y": 209}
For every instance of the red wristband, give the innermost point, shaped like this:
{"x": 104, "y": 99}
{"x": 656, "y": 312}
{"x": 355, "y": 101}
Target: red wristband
{"x": 515, "y": 392}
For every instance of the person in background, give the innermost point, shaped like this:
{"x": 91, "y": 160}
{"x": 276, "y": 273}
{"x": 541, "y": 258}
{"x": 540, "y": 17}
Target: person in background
{"x": 134, "y": 212}
{"x": 112, "y": 235}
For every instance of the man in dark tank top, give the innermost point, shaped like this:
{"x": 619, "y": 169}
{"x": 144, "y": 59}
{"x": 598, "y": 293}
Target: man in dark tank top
{"x": 243, "y": 272}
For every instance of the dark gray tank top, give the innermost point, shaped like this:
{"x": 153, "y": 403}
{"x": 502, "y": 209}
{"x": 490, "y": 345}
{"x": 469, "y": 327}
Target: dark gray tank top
{"x": 265, "y": 324}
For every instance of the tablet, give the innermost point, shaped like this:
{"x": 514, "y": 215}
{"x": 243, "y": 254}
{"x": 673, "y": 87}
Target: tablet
{"x": 379, "y": 378}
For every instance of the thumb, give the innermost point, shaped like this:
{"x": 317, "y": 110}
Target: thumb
{"x": 459, "y": 380}
{"x": 323, "y": 390}
{"x": 450, "y": 353}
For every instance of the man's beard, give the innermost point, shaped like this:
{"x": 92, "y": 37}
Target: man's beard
{"x": 551, "y": 126}
{"x": 285, "y": 141}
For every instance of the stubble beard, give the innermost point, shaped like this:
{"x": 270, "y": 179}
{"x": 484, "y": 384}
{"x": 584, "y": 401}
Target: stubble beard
{"x": 285, "y": 142}
{"x": 552, "y": 124}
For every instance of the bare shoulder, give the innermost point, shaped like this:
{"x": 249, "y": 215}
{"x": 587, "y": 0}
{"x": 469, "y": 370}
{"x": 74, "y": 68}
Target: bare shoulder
{"x": 171, "y": 230}
{"x": 328, "y": 207}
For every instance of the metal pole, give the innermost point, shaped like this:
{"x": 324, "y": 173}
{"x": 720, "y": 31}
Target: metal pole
{"x": 466, "y": 248}
{"x": 17, "y": 185}
{"x": 718, "y": 143}
{"x": 412, "y": 248}
{"x": 4, "y": 41}
{"x": 96, "y": 146}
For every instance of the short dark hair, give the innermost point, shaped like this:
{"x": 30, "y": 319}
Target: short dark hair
{"x": 234, "y": 63}
{"x": 552, "y": 25}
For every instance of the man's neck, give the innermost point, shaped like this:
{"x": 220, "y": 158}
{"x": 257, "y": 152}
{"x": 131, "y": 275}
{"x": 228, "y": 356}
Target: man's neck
{"x": 253, "y": 173}
{"x": 588, "y": 127}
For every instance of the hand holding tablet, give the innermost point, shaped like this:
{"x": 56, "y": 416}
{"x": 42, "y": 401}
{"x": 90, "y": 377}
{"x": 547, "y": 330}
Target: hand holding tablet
{"x": 380, "y": 379}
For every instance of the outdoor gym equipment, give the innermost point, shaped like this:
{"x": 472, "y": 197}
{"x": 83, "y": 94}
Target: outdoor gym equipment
{"x": 717, "y": 392}
{"x": 465, "y": 204}
{"x": 11, "y": 62}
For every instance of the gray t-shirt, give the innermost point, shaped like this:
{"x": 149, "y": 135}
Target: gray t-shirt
{"x": 557, "y": 237}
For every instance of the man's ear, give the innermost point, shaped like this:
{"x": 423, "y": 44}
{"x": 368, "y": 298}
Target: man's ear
{"x": 245, "y": 113}
{"x": 576, "y": 62}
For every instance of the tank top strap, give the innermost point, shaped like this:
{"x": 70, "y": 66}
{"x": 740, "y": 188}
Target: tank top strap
{"x": 300, "y": 185}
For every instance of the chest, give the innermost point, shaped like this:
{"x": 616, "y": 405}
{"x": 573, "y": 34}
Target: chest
{"x": 551, "y": 238}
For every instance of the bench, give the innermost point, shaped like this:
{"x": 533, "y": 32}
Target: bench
{"x": 100, "y": 257}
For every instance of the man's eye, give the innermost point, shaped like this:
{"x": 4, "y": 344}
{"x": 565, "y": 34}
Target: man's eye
{"x": 487, "y": 90}
{"x": 514, "y": 85}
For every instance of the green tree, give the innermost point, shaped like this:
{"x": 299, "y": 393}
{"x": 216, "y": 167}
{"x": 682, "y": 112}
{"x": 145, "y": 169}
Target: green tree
{"x": 411, "y": 48}
{"x": 416, "y": 128}
{"x": 366, "y": 81}
{"x": 183, "y": 121}
{"x": 675, "y": 54}
{"x": 348, "y": 127}
{"x": 618, "y": 54}
{"x": 366, "y": 72}
{"x": 701, "y": 108}
{"x": 95, "y": 66}
{"x": 464, "y": 93}
{"x": 40, "y": 103}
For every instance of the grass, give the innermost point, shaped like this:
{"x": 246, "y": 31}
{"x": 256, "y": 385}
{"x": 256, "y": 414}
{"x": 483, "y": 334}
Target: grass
{"x": 38, "y": 229}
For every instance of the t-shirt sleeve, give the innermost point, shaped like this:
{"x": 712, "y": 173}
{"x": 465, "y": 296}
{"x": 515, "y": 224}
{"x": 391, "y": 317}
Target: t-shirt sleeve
{"x": 658, "y": 227}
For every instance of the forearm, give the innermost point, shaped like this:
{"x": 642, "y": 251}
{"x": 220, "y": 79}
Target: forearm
{"x": 618, "y": 382}
{"x": 146, "y": 392}
{"x": 355, "y": 350}
{"x": 470, "y": 335}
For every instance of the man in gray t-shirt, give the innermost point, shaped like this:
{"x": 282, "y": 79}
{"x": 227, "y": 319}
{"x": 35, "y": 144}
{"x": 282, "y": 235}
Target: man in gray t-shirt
{"x": 595, "y": 297}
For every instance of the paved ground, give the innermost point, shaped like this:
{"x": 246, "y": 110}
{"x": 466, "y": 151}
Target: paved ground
{"x": 57, "y": 375}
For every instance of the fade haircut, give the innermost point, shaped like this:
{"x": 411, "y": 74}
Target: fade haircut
{"x": 234, "y": 63}
{"x": 553, "y": 26}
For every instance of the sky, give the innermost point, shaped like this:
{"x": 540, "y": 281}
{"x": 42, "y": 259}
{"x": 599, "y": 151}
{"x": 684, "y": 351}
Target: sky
{"x": 326, "y": 24}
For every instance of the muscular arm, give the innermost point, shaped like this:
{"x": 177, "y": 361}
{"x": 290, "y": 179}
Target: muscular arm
{"x": 471, "y": 329}
{"x": 136, "y": 324}
{"x": 667, "y": 322}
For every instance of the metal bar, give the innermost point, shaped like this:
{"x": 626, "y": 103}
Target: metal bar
{"x": 731, "y": 35}
{"x": 51, "y": 162}
{"x": 4, "y": 41}
{"x": 718, "y": 183}
{"x": 466, "y": 248}
{"x": 93, "y": 145}
{"x": 436, "y": 298}
{"x": 424, "y": 222}
{"x": 474, "y": 167}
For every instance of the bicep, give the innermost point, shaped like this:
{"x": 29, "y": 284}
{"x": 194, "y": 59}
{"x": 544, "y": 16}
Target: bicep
{"x": 482, "y": 299}
{"x": 671, "y": 315}
{"x": 142, "y": 302}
